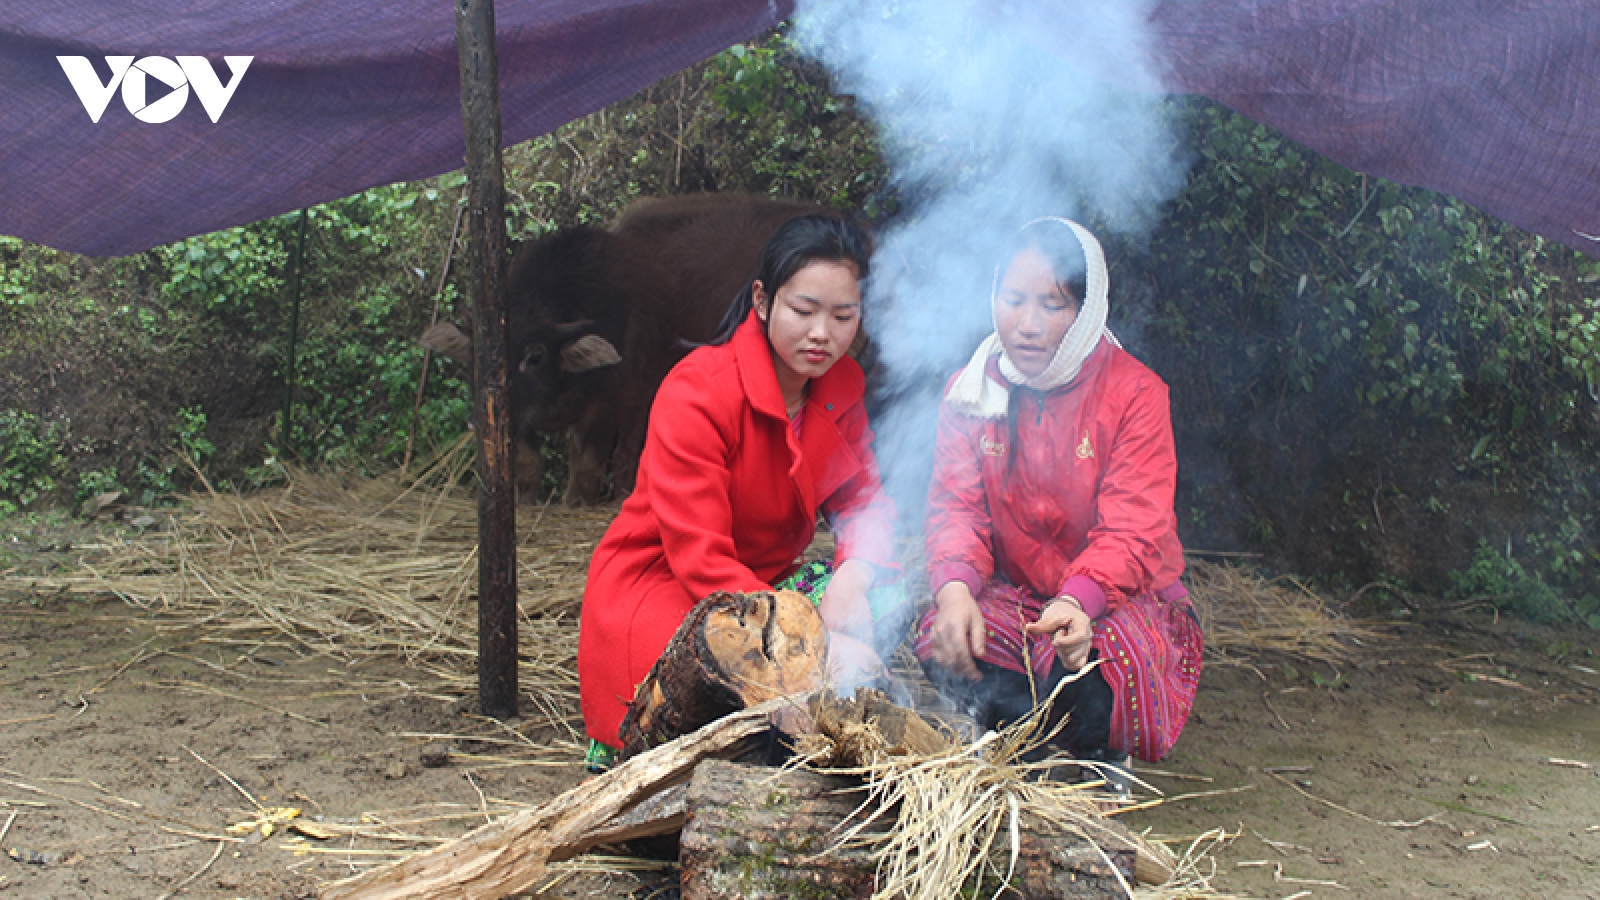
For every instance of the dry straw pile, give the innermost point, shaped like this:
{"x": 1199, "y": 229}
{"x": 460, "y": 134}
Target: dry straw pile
{"x": 360, "y": 567}
{"x": 956, "y": 815}
{"x": 1244, "y": 614}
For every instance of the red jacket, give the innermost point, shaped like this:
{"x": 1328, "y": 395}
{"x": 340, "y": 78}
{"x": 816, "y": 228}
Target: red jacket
{"x": 726, "y": 499}
{"x": 1087, "y": 506}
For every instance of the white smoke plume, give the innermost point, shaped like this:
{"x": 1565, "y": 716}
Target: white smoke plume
{"x": 992, "y": 113}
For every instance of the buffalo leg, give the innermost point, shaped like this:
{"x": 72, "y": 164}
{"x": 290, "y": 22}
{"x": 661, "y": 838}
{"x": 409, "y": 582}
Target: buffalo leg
{"x": 625, "y": 462}
{"x": 589, "y": 448}
{"x": 586, "y": 470}
{"x": 529, "y": 468}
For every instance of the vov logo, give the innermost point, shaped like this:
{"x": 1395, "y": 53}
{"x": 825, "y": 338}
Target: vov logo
{"x": 133, "y": 77}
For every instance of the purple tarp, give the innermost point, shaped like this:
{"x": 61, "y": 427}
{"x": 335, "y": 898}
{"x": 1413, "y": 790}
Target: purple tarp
{"x": 1494, "y": 101}
{"x": 341, "y": 96}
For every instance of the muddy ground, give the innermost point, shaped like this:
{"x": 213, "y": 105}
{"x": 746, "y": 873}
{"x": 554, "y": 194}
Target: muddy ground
{"x": 121, "y": 743}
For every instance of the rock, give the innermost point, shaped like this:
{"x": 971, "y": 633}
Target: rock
{"x": 435, "y": 756}
{"x": 99, "y": 503}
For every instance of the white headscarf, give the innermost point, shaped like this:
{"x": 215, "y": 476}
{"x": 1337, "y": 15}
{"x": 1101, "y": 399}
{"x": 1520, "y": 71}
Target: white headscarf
{"x": 976, "y": 395}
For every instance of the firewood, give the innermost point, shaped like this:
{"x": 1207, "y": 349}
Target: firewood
{"x": 755, "y": 832}
{"x": 653, "y": 816}
{"x": 849, "y": 732}
{"x": 509, "y": 856}
{"x": 733, "y": 651}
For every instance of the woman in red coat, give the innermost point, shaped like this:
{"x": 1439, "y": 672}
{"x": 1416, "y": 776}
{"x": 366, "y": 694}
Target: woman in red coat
{"x": 748, "y": 439}
{"x": 1051, "y": 538}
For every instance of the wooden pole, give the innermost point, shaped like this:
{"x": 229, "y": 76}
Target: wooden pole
{"x": 486, "y": 252}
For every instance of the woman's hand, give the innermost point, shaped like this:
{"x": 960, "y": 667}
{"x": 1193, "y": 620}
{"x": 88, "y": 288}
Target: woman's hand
{"x": 844, "y": 606}
{"x": 851, "y": 663}
{"x": 1071, "y": 628}
{"x": 958, "y": 630}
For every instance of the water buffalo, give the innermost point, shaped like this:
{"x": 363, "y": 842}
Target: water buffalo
{"x": 599, "y": 316}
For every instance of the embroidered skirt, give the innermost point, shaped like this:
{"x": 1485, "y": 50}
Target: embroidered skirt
{"x": 1149, "y": 646}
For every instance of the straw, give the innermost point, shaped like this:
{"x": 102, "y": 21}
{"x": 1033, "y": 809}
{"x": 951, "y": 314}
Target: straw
{"x": 955, "y": 816}
{"x": 359, "y": 568}
{"x": 1243, "y": 612}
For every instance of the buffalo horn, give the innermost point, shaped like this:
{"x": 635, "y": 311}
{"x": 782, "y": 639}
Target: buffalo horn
{"x": 588, "y": 352}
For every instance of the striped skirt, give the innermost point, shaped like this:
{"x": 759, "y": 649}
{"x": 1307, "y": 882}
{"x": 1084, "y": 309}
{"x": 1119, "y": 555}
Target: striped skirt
{"x": 1149, "y": 647}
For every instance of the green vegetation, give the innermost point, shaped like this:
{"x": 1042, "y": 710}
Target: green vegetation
{"x": 1416, "y": 375}
{"x": 1496, "y": 578}
{"x": 1369, "y": 381}
{"x": 30, "y": 459}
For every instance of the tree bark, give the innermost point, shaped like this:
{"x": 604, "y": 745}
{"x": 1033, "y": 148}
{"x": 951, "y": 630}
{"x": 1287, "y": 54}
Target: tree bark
{"x": 756, "y": 833}
{"x": 732, "y": 651}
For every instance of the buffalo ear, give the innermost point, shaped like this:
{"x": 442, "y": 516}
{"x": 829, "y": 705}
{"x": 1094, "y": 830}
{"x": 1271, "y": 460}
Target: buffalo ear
{"x": 588, "y": 352}
{"x": 447, "y": 340}
{"x": 568, "y": 329}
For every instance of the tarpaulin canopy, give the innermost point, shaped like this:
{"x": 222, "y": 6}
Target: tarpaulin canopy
{"x": 1494, "y": 101}
{"x": 339, "y": 97}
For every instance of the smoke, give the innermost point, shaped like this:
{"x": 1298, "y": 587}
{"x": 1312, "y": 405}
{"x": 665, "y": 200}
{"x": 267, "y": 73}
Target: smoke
{"x": 991, "y": 114}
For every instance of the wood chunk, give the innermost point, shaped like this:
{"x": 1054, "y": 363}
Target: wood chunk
{"x": 652, "y": 817}
{"x": 733, "y": 651}
{"x": 853, "y": 732}
{"x": 758, "y": 833}
{"x": 753, "y": 833}
{"x": 510, "y": 856}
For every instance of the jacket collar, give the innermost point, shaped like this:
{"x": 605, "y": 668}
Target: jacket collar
{"x": 821, "y": 460}
{"x": 829, "y": 396}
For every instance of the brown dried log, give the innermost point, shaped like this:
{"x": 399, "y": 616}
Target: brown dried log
{"x": 852, "y": 732}
{"x": 509, "y": 856}
{"x": 757, "y": 833}
{"x": 733, "y": 651}
{"x": 653, "y": 816}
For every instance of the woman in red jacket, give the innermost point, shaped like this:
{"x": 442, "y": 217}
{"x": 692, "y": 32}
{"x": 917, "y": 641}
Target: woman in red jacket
{"x": 748, "y": 439}
{"x": 1051, "y": 538}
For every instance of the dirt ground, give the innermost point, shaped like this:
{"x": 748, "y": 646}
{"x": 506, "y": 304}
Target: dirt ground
{"x": 126, "y": 750}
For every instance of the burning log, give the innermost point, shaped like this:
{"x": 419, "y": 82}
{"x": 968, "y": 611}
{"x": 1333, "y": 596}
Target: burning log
{"x": 732, "y": 652}
{"x": 756, "y": 832}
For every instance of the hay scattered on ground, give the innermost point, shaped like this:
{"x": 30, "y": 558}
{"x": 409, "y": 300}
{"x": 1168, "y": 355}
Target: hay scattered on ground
{"x": 360, "y": 568}
{"x": 386, "y": 566}
{"x": 1245, "y": 613}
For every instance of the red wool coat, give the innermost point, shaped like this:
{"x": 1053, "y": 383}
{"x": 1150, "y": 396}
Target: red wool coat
{"x": 726, "y": 499}
{"x": 1087, "y": 507}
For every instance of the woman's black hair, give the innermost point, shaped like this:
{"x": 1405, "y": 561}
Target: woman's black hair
{"x": 799, "y": 242}
{"x": 1060, "y": 247}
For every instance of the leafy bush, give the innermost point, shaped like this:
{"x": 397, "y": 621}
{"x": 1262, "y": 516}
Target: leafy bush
{"x": 27, "y": 271}
{"x": 30, "y": 459}
{"x": 1501, "y": 580}
{"x": 96, "y": 482}
{"x": 234, "y": 267}
{"x": 1365, "y": 345}
{"x": 189, "y": 433}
